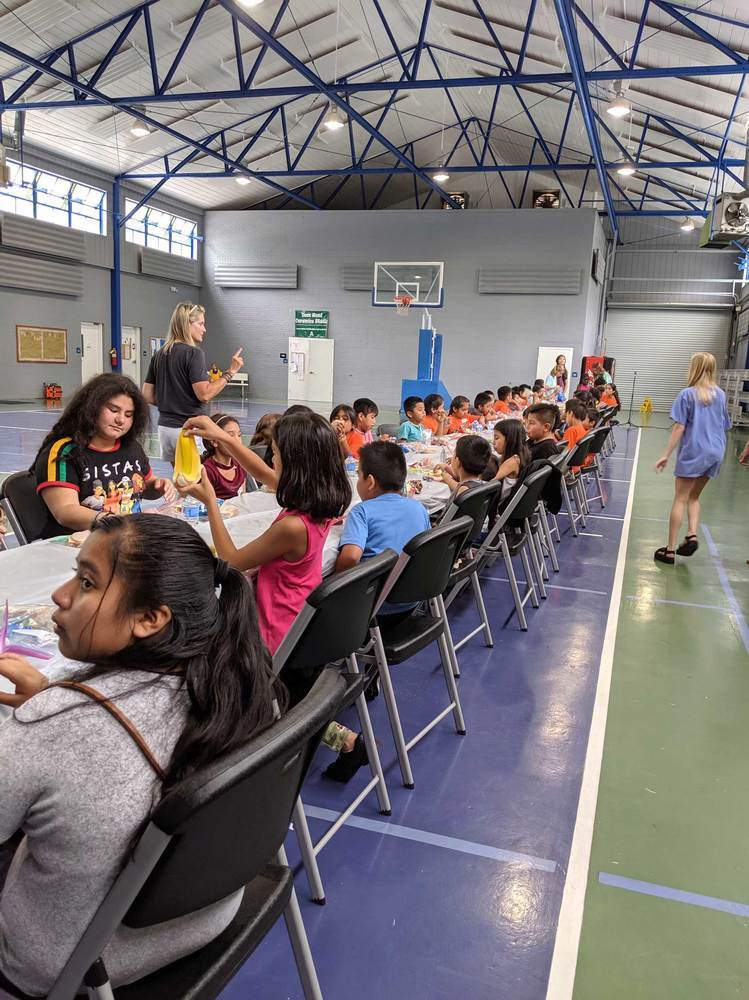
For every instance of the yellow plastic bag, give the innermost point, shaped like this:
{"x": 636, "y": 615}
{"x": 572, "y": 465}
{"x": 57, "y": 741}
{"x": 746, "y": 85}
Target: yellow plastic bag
{"x": 187, "y": 466}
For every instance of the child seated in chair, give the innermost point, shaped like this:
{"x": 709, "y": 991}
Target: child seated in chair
{"x": 437, "y": 419}
{"x": 541, "y": 421}
{"x": 385, "y": 519}
{"x": 412, "y": 428}
{"x": 464, "y": 472}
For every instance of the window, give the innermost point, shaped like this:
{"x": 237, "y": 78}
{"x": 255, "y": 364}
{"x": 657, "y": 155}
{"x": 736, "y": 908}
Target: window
{"x": 151, "y": 227}
{"x": 38, "y": 194}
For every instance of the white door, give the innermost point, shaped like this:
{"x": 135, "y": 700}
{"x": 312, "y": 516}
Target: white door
{"x": 92, "y": 350}
{"x": 311, "y": 372}
{"x": 657, "y": 344}
{"x": 130, "y": 347}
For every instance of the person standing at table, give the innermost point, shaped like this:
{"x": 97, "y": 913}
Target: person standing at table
{"x": 700, "y": 417}
{"x": 177, "y": 382}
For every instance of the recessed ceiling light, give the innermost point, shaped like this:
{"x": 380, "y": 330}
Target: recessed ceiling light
{"x": 333, "y": 120}
{"x": 619, "y": 106}
{"x": 241, "y": 179}
{"x": 687, "y": 226}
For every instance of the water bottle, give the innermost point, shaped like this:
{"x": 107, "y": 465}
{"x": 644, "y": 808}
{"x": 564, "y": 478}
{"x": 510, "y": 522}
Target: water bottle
{"x": 477, "y": 426}
{"x": 191, "y": 510}
{"x": 350, "y": 465}
{"x": 427, "y": 436}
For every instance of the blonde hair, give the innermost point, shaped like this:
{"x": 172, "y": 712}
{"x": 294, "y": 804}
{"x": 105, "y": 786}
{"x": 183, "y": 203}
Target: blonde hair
{"x": 179, "y": 325}
{"x": 702, "y": 376}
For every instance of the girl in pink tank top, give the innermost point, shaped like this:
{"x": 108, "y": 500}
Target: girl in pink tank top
{"x": 311, "y": 488}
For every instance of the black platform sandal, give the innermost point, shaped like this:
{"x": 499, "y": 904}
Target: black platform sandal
{"x": 665, "y": 555}
{"x": 689, "y": 546}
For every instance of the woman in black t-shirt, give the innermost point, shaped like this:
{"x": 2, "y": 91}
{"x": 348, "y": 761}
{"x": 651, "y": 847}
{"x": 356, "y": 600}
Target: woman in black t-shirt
{"x": 91, "y": 463}
{"x": 177, "y": 382}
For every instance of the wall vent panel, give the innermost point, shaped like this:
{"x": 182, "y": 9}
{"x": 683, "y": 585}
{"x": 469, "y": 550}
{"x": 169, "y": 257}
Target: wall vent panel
{"x": 357, "y": 277}
{"x": 18, "y": 271}
{"x": 529, "y": 281}
{"x": 42, "y": 237}
{"x": 168, "y": 265}
{"x": 242, "y": 274}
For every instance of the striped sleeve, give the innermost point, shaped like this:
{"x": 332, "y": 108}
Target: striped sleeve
{"x": 55, "y": 467}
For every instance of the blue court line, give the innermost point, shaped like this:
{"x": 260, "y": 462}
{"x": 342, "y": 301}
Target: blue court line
{"x": 681, "y": 604}
{"x": 676, "y": 895}
{"x": 727, "y": 589}
{"x": 550, "y": 586}
{"x": 435, "y": 839}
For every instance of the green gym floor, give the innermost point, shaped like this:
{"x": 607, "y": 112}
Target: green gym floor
{"x": 667, "y": 901}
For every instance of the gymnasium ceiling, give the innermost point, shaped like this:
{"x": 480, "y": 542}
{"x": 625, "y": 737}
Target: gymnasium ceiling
{"x": 510, "y": 94}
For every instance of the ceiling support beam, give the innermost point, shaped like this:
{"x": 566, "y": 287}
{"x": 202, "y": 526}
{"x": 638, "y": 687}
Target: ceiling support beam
{"x": 572, "y": 45}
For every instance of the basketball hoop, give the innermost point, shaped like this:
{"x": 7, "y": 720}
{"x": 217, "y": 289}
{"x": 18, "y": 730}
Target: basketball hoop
{"x": 403, "y": 304}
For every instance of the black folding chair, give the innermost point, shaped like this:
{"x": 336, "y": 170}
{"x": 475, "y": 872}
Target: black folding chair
{"x": 209, "y": 837}
{"x": 390, "y": 429}
{"x": 600, "y": 436}
{"x": 474, "y": 503}
{"x": 26, "y": 511}
{"x": 571, "y": 482}
{"x": 332, "y": 625}
{"x": 421, "y": 575}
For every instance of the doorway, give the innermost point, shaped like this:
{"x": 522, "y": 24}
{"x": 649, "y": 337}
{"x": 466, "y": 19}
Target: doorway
{"x": 131, "y": 353}
{"x": 92, "y": 350}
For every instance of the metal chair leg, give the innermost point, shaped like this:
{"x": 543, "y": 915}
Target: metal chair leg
{"x": 544, "y": 515}
{"x": 375, "y": 764}
{"x": 519, "y": 607}
{"x": 447, "y": 669}
{"x": 529, "y": 574}
{"x": 307, "y": 849}
{"x": 482, "y": 609}
{"x": 533, "y": 554}
{"x": 568, "y": 505}
{"x": 299, "y": 943}
{"x": 450, "y": 643}
{"x": 388, "y": 693}
{"x": 540, "y": 539}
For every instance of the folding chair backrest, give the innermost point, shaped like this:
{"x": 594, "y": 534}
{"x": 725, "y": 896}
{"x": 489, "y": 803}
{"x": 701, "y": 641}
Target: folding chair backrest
{"x": 534, "y": 484}
{"x": 599, "y": 436}
{"x": 473, "y": 503}
{"x": 580, "y": 452}
{"x": 390, "y": 429}
{"x": 334, "y": 621}
{"x": 26, "y": 510}
{"x": 431, "y": 556}
{"x": 214, "y": 832}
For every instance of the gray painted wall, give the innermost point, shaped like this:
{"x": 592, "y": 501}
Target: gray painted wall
{"x": 146, "y": 301}
{"x": 488, "y": 339}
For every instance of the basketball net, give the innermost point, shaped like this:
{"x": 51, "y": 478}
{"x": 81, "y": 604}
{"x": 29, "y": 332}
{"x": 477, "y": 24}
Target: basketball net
{"x": 403, "y": 304}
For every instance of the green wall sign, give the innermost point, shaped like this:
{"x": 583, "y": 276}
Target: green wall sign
{"x": 311, "y": 322}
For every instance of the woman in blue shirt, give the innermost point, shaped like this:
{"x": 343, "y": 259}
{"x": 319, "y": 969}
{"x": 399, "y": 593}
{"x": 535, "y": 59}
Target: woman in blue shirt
{"x": 700, "y": 417}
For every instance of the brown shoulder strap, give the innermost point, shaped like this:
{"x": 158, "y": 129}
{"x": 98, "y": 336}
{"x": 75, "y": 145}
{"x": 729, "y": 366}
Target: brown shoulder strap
{"x": 117, "y": 713}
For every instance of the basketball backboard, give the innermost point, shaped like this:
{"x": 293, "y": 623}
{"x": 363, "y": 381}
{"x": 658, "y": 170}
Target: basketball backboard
{"x": 421, "y": 280}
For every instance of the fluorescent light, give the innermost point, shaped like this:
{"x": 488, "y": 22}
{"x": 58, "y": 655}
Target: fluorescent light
{"x": 626, "y": 169}
{"x": 619, "y": 106}
{"x": 441, "y": 176}
{"x": 241, "y": 179}
{"x": 333, "y": 120}
{"x": 687, "y": 226}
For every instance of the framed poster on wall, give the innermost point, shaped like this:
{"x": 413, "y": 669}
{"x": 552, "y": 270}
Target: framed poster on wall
{"x": 42, "y": 344}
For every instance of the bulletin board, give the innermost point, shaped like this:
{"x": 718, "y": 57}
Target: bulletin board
{"x": 42, "y": 344}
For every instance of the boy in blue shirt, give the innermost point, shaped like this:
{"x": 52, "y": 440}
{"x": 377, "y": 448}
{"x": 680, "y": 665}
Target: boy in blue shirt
{"x": 411, "y": 429}
{"x": 385, "y": 519}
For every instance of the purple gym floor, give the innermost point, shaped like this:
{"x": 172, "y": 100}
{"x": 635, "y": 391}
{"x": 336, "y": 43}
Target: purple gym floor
{"x": 457, "y": 893}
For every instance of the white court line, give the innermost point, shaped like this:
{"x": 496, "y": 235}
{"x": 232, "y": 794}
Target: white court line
{"x": 605, "y": 480}
{"x": 589, "y": 534}
{"x": 567, "y": 941}
{"x": 549, "y": 586}
{"x": 596, "y": 517}
{"x": 12, "y": 427}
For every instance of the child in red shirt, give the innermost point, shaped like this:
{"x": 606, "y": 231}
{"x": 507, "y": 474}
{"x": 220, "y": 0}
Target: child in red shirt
{"x": 576, "y": 413}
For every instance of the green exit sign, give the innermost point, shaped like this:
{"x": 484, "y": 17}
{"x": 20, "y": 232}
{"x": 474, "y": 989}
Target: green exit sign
{"x": 311, "y": 322}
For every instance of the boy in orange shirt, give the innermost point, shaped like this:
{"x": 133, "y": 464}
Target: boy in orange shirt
{"x": 484, "y": 405}
{"x": 576, "y": 413}
{"x": 503, "y": 395}
{"x": 459, "y": 416}
{"x": 365, "y": 417}
{"x": 437, "y": 420}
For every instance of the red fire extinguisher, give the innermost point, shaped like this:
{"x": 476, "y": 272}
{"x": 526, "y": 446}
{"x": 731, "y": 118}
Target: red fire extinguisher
{"x": 113, "y": 357}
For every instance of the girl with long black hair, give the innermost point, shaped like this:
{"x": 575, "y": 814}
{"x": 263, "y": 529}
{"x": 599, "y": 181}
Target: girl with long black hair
{"x": 92, "y": 462}
{"x": 170, "y": 636}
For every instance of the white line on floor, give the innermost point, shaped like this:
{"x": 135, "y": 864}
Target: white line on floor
{"x": 550, "y": 586}
{"x": 605, "y": 480}
{"x": 12, "y": 427}
{"x": 589, "y": 534}
{"x": 596, "y": 517}
{"x": 567, "y": 942}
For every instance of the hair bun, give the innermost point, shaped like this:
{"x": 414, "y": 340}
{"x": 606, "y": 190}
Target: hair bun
{"x": 221, "y": 572}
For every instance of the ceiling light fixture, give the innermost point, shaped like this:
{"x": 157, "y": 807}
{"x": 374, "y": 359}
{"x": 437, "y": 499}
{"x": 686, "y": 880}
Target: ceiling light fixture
{"x": 619, "y": 106}
{"x": 249, "y": 3}
{"x": 241, "y": 179}
{"x": 687, "y": 226}
{"x": 139, "y": 128}
{"x": 440, "y": 176}
{"x": 626, "y": 169}
{"x": 333, "y": 120}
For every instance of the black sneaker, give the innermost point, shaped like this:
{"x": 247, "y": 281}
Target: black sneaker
{"x": 345, "y": 766}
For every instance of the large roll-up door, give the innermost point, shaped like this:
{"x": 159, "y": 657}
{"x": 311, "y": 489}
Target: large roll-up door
{"x": 657, "y": 344}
